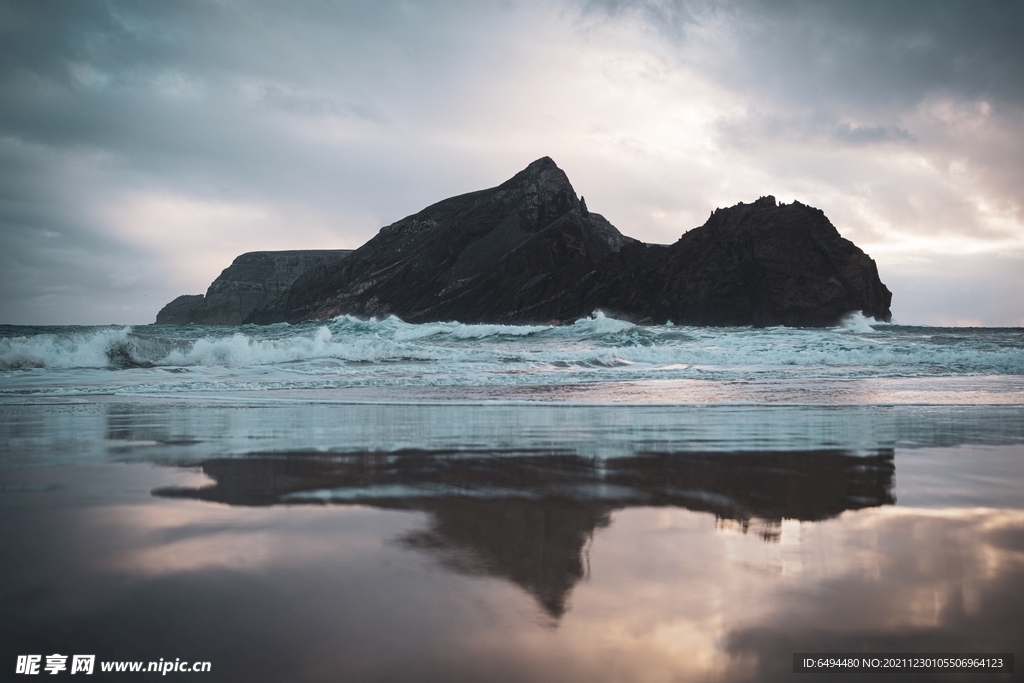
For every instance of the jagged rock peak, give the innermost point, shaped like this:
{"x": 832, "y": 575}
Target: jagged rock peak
{"x": 765, "y": 202}
{"x": 544, "y": 178}
{"x": 543, "y": 170}
{"x": 765, "y": 214}
{"x": 543, "y": 164}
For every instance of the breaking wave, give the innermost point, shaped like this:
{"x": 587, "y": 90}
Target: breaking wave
{"x": 86, "y": 348}
{"x": 858, "y": 322}
{"x": 349, "y": 351}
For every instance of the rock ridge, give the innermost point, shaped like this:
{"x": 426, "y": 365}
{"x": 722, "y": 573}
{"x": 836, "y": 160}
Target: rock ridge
{"x": 253, "y": 280}
{"x": 530, "y": 251}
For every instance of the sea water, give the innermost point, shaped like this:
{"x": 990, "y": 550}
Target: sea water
{"x": 378, "y": 500}
{"x": 596, "y": 359}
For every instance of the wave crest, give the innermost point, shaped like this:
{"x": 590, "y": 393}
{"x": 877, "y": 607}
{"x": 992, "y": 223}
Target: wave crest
{"x": 94, "y": 348}
{"x": 856, "y": 321}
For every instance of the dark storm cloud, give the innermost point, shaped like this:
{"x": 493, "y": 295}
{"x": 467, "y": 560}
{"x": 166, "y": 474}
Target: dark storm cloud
{"x": 835, "y": 53}
{"x": 939, "y": 84}
{"x": 317, "y": 121}
{"x": 862, "y": 70}
{"x": 117, "y": 74}
{"x": 57, "y": 265}
{"x": 187, "y": 98}
{"x": 268, "y": 39}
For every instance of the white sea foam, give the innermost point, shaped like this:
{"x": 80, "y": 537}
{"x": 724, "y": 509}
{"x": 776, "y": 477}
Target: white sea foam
{"x": 84, "y": 348}
{"x": 856, "y": 321}
{"x": 348, "y": 352}
{"x": 600, "y": 323}
{"x": 460, "y": 331}
{"x": 242, "y": 350}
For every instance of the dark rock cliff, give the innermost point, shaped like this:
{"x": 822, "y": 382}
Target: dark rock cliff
{"x": 529, "y": 251}
{"x": 506, "y": 254}
{"x": 750, "y": 264}
{"x": 252, "y": 281}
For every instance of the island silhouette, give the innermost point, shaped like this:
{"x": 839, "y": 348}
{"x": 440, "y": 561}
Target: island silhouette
{"x": 530, "y": 251}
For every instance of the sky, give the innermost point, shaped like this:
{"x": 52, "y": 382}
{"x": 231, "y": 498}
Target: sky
{"x": 144, "y": 145}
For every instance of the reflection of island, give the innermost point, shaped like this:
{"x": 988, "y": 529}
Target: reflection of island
{"x": 528, "y": 516}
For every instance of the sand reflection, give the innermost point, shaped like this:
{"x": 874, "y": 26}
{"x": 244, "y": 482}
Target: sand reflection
{"x": 620, "y": 581}
{"x": 529, "y": 517}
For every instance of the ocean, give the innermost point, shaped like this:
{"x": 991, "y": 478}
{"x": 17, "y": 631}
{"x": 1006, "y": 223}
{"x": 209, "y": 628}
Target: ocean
{"x": 377, "y": 500}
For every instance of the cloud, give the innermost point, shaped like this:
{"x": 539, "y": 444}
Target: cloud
{"x": 323, "y": 121}
{"x": 833, "y": 54}
{"x": 867, "y": 135}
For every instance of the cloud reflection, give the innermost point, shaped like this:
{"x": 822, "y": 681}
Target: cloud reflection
{"x": 528, "y": 517}
{"x": 658, "y": 591}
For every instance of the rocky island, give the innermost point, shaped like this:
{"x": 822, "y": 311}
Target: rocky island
{"x": 253, "y": 280}
{"x": 530, "y": 251}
